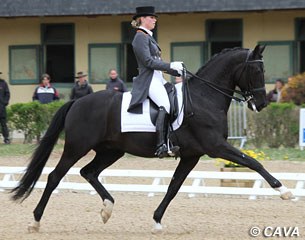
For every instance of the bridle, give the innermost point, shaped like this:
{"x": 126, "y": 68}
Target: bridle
{"x": 247, "y": 96}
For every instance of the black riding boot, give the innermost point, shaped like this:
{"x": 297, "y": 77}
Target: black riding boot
{"x": 162, "y": 128}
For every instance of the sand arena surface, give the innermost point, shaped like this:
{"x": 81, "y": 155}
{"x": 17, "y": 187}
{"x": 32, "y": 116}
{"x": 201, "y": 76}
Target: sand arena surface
{"x": 75, "y": 215}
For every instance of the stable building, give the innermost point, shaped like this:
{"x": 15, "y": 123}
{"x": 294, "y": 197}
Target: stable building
{"x": 64, "y": 37}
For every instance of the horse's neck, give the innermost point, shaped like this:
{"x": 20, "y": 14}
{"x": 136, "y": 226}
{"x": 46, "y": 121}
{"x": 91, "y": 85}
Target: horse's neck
{"x": 207, "y": 95}
{"x": 220, "y": 73}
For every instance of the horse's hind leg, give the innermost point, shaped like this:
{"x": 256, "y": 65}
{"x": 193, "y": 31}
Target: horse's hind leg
{"x": 230, "y": 153}
{"x": 91, "y": 171}
{"x": 67, "y": 160}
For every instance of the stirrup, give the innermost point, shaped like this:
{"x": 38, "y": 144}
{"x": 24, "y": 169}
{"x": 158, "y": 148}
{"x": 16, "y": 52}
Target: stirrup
{"x": 172, "y": 151}
{"x": 161, "y": 151}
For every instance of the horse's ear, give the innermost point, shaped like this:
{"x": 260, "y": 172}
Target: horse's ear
{"x": 262, "y": 48}
{"x": 258, "y": 50}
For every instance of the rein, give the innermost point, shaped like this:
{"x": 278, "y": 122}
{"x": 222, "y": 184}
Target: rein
{"x": 222, "y": 89}
{"x": 247, "y": 95}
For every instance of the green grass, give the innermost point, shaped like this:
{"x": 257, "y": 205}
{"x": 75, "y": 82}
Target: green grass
{"x": 20, "y": 149}
{"x": 16, "y": 150}
{"x": 288, "y": 154}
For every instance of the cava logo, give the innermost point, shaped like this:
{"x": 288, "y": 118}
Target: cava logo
{"x": 281, "y": 232}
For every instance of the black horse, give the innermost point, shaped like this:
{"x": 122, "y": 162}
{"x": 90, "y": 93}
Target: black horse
{"x": 93, "y": 123}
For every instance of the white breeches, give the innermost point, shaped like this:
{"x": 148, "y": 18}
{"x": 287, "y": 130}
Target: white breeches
{"x": 157, "y": 91}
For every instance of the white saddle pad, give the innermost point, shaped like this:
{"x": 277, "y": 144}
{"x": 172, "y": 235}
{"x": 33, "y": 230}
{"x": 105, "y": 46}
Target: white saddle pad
{"x": 131, "y": 122}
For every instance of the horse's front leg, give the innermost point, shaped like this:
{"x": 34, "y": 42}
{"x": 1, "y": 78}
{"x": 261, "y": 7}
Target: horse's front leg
{"x": 226, "y": 151}
{"x": 183, "y": 169}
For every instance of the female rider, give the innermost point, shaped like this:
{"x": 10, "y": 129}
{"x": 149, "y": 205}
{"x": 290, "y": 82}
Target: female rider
{"x": 150, "y": 81}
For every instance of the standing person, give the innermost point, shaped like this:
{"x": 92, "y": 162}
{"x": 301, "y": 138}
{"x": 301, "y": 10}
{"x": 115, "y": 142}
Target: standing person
{"x": 81, "y": 87}
{"x": 4, "y": 100}
{"x": 275, "y": 94}
{"x": 45, "y": 93}
{"x": 115, "y": 83}
{"x": 150, "y": 81}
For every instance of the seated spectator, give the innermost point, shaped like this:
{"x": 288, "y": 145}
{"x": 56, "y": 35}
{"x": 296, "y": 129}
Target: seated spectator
{"x": 45, "y": 93}
{"x": 115, "y": 83}
{"x": 275, "y": 94}
{"x": 81, "y": 87}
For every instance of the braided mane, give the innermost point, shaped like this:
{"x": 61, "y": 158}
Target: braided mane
{"x": 215, "y": 56}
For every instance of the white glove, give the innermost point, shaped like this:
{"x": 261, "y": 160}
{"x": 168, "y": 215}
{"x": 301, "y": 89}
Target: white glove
{"x": 178, "y": 66}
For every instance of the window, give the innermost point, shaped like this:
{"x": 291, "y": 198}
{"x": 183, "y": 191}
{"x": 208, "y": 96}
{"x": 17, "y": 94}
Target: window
{"x": 102, "y": 58}
{"x": 58, "y": 46}
{"x": 223, "y": 33}
{"x": 300, "y": 38}
{"x": 24, "y": 64}
{"x": 127, "y": 32}
{"x": 129, "y": 63}
{"x": 278, "y": 60}
{"x": 191, "y": 53}
{"x": 58, "y": 33}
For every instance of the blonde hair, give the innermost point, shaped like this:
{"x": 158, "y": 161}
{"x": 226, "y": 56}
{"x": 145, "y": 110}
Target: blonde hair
{"x": 136, "y": 23}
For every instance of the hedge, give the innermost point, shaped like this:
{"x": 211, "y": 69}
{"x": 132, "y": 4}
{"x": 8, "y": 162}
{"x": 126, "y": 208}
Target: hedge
{"x": 31, "y": 118}
{"x": 275, "y": 126}
{"x": 294, "y": 90}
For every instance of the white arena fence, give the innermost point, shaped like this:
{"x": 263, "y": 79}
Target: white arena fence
{"x": 156, "y": 179}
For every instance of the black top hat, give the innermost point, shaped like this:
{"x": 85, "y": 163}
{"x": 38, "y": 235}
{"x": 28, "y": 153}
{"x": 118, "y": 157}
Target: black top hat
{"x": 144, "y": 11}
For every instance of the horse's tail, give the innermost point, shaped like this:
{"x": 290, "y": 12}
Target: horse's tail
{"x": 41, "y": 154}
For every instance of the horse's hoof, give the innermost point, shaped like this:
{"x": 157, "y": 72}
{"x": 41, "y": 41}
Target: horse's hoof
{"x": 285, "y": 193}
{"x": 287, "y": 196}
{"x": 107, "y": 210}
{"x": 157, "y": 229}
{"x": 34, "y": 227}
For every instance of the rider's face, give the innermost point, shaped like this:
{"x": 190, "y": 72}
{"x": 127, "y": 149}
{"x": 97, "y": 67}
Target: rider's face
{"x": 149, "y": 22}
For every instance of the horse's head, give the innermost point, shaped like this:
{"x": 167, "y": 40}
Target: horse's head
{"x": 251, "y": 81}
